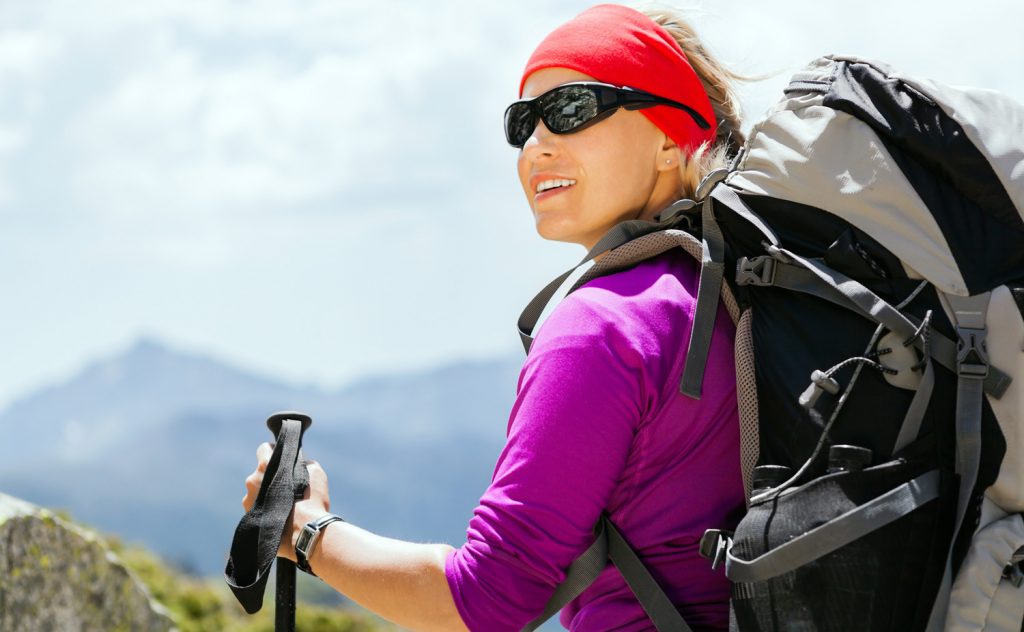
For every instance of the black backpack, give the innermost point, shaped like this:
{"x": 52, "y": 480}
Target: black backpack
{"x": 868, "y": 241}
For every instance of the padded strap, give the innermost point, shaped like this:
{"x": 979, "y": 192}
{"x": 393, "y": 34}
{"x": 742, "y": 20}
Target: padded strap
{"x": 624, "y": 232}
{"x": 969, "y": 312}
{"x": 836, "y": 533}
{"x": 972, "y": 366}
{"x": 258, "y": 535}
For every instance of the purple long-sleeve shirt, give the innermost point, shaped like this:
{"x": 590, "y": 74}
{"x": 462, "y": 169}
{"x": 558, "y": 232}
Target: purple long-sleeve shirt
{"x": 599, "y": 425}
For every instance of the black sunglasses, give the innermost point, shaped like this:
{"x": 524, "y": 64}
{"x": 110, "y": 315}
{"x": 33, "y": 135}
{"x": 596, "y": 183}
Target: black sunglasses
{"x": 572, "y": 107}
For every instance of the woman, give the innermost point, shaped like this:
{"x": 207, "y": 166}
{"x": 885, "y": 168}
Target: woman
{"x": 598, "y": 425}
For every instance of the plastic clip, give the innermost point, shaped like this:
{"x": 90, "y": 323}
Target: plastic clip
{"x": 677, "y": 207}
{"x": 1014, "y": 574}
{"x": 714, "y": 545}
{"x": 757, "y": 271}
{"x": 971, "y": 353}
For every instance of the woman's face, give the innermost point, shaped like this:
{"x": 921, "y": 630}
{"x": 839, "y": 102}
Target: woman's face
{"x": 617, "y": 167}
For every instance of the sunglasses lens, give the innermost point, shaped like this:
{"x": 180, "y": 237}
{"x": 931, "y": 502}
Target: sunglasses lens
{"x": 564, "y": 109}
{"x": 520, "y": 122}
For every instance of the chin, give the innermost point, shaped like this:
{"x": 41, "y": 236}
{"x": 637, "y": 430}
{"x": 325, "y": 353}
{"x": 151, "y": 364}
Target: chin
{"x": 551, "y": 231}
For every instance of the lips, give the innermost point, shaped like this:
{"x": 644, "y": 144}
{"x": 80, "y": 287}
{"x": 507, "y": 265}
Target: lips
{"x": 543, "y": 195}
{"x": 554, "y": 184}
{"x": 548, "y": 184}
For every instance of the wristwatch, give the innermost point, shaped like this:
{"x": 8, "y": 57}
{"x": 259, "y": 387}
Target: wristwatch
{"x": 308, "y": 538}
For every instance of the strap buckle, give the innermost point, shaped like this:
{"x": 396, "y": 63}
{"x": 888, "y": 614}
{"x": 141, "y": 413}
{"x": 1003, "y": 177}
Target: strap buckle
{"x": 971, "y": 353}
{"x": 679, "y": 207}
{"x": 714, "y": 545}
{"x": 1014, "y": 571}
{"x": 756, "y": 271}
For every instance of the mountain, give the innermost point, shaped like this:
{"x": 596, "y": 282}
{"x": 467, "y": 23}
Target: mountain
{"x": 154, "y": 445}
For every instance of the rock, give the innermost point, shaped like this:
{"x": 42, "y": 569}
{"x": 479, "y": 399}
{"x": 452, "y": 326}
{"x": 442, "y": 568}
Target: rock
{"x": 58, "y": 576}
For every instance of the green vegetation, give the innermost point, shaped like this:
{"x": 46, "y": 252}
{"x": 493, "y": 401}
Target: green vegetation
{"x": 207, "y": 605}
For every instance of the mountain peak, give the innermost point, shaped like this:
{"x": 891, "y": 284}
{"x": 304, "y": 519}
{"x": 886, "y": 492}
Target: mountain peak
{"x": 147, "y": 345}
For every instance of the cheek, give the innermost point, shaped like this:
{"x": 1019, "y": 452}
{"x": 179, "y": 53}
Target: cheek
{"x": 523, "y": 170}
{"x": 617, "y": 180}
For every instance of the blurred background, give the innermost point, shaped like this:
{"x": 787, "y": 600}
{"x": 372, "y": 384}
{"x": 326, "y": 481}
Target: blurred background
{"x": 212, "y": 210}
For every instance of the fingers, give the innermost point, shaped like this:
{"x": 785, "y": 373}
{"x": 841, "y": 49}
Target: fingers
{"x": 263, "y": 456}
{"x": 252, "y": 488}
{"x": 317, "y": 478}
{"x": 254, "y": 480}
{"x": 317, "y": 475}
{"x": 318, "y": 484}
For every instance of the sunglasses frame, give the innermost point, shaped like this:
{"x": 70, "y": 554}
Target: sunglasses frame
{"x": 609, "y": 99}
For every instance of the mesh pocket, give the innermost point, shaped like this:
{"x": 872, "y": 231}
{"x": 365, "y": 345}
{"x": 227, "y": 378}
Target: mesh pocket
{"x": 883, "y": 581}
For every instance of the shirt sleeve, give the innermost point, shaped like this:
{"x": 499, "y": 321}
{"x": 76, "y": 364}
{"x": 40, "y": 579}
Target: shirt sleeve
{"x": 581, "y": 396}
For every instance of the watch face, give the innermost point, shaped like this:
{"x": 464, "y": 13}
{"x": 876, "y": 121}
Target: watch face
{"x": 304, "y": 538}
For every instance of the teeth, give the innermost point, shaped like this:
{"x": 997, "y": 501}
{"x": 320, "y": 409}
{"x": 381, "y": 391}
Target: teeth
{"x": 554, "y": 184}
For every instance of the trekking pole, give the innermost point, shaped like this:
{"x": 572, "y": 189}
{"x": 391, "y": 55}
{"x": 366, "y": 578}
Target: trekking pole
{"x": 284, "y": 594}
{"x": 258, "y": 536}
{"x": 284, "y": 604}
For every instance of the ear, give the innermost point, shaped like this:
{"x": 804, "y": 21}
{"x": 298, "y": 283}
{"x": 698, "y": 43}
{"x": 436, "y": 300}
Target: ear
{"x": 668, "y": 156}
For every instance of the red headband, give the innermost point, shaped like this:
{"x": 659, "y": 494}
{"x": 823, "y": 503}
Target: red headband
{"x": 621, "y": 46}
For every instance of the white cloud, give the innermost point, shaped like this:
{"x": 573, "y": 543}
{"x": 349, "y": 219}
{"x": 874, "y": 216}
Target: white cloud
{"x": 185, "y": 131}
{"x": 11, "y": 140}
{"x": 177, "y": 162}
{"x": 26, "y": 52}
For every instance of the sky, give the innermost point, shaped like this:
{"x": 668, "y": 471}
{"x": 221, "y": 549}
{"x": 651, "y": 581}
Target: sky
{"x": 321, "y": 190}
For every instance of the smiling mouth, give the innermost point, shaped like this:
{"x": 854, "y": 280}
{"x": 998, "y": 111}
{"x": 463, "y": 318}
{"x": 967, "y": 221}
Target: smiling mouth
{"x": 556, "y": 183}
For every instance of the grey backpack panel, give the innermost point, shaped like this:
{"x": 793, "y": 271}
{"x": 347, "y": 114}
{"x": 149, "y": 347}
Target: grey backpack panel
{"x": 810, "y": 152}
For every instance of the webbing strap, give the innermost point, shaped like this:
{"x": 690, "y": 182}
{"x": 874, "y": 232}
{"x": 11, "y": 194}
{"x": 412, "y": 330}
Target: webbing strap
{"x": 972, "y": 367}
{"x": 729, "y": 197}
{"x": 580, "y": 574}
{"x": 911, "y": 425}
{"x": 836, "y": 533}
{"x": 622, "y": 233}
{"x": 706, "y": 310}
{"x": 804, "y": 276}
{"x": 258, "y": 535}
{"x": 540, "y": 306}
{"x": 650, "y": 595}
{"x": 610, "y": 544}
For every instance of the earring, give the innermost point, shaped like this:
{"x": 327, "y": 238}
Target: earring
{"x": 668, "y": 161}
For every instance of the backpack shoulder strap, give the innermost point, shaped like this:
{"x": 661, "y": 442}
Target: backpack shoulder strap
{"x": 711, "y": 272}
{"x": 540, "y": 306}
{"x": 609, "y": 544}
{"x": 972, "y": 367}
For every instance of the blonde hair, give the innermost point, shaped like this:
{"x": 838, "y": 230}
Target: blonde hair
{"x": 720, "y": 84}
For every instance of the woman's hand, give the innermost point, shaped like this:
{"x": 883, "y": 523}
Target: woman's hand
{"x": 315, "y": 502}
{"x": 403, "y": 582}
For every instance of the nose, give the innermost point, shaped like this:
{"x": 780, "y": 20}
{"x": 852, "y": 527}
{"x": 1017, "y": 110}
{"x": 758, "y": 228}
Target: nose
{"x": 541, "y": 143}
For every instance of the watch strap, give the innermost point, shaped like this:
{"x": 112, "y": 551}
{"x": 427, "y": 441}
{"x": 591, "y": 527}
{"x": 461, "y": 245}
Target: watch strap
{"x": 308, "y": 539}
